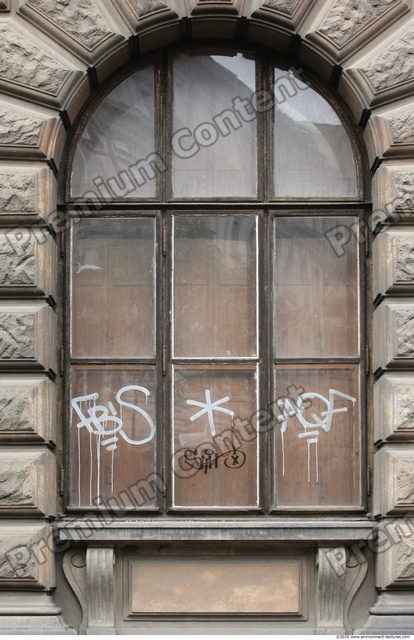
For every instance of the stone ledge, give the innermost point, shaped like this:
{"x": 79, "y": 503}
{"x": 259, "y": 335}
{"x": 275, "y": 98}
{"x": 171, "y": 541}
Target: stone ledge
{"x": 91, "y": 530}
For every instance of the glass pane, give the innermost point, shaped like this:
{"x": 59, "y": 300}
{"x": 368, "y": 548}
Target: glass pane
{"x": 313, "y": 154}
{"x": 215, "y": 286}
{"x": 115, "y": 158}
{"x": 112, "y": 437}
{"x": 214, "y": 126}
{"x": 316, "y": 290}
{"x": 113, "y": 276}
{"x": 215, "y": 456}
{"x": 317, "y": 436}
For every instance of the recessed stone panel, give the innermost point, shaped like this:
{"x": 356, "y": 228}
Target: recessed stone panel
{"x": 394, "y": 407}
{"x": 27, "y": 482}
{"x": 393, "y": 262}
{"x": 394, "y": 335}
{"x": 27, "y": 336}
{"x": 216, "y": 585}
{"x": 27, "y": 409}
{"x": 394, "y": 480}
{"x": 26, "y": 556}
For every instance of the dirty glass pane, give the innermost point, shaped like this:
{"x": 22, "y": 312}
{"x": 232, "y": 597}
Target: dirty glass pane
{"x": 313, "y": 155}
{"x": 113, "y": 280}
{"x": 214, "y": 127}
{"x": 316, "y": 288}
{"x": 317, "y": 436}
{"x": 113, "y": 437}
{"x": 115, "y": 158}
{"x": 215, "y": 445}
{"x": 215, "y": 286}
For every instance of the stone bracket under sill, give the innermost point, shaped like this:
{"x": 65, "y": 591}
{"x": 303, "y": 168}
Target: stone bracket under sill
{"x": 99, "y": 530}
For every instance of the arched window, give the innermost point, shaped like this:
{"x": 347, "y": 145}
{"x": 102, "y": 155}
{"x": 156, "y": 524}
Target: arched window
{"x": 215, "y": 340}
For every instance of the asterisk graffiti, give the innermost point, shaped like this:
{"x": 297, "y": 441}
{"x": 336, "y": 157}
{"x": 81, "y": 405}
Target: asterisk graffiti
{"x": 208, "y": 407}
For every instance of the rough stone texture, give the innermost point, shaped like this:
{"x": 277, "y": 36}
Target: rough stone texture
{"x": 27, "y": 336}
{"x": 27, "y": 266}
{"x": 16, "y": 336}
{"x": 79, "y": 18}
{"x": 394, "y": 480}
{"x": 27, "y": 482}
{"x": 393, "y": 257}
{"x": 16, "y": 128}
{"x": 287, "y": 7}
{"x": 27, "y": 409}
{"x": 347, "y": 18}
{"x": 404, "y": 267}
{"x": 25, "y": 560}
{"x": 404, "y": 186}
{"x": 29, "y": 191}
{"x": 22, "y": 62}
{"x": 17, "y": 269}
{"x": 142, "y": 7}
{"x": 405, "y": 333}
{"x": 393, "y": 66}
{"x": 394, "y": 334}
{"x": 402, "y": 127}
{"x": 405, "y": 560}
{"x": 17, "y": 193}
{"x": 394, "y": 407}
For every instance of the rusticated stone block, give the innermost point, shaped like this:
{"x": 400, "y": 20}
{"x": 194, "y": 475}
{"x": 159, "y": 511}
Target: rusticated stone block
{"x": 393, "y": 194}
{"x": 29, "y": 191}
{"x": 27, "y": 336}
{"x": 394, "y": 334}
{"x": 26, "y": 556}
{"x": 394, "y": 480}
{"x": 29, "y": 71}
{"x": 394, "y": 407}
{"x": 25, "y": 133}
{"x": 27, "y": 482}
{"x": 393, "y": 262}
{"x": 84, "y": 27}
{"x": 27, "y": 265}
{"x": 395, "y": 558}
{"x": 350, "y": 24}
{"x": 390, "y": 134}
{"x": 27, "y": 409}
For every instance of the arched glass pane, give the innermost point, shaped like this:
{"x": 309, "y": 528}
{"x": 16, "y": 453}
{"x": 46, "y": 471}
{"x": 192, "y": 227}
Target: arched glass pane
{"x": 115, "y": 157}
{"x": 313, "y": 155}
{"x": 214, "y": 127}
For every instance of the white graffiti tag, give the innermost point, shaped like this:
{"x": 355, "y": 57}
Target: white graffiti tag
{"x": 323, "y": 421}
{"x": 104, "y": 422}
{"x": 208, "y": 407}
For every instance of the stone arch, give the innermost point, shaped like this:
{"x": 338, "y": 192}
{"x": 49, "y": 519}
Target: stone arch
{"x": 53, "y": 56}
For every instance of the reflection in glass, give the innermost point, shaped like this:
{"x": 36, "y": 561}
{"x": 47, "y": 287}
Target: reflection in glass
{"x": 215, "y": 286}
{"x": 112, "y": 436}
{"x": 317, "y": 439}
{"x": 113, "y": 276}
{"x": 316, "y": 291}
{"x": 111, "y": 159}
{"x": 215, "y": 455}
{"x": 214, "y": 141}
{"x": 313, "y": 154}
